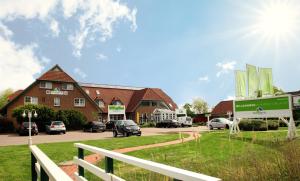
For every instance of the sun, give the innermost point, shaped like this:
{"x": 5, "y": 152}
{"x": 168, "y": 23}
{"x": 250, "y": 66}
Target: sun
{"x": 277, "y": 20}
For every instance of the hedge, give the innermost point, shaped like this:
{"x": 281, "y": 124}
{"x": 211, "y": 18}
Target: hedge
{"x": 258, "y": 125}
{"x": 72, "y": 119}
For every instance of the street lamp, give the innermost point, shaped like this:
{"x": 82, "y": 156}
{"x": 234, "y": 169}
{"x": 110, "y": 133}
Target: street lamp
{"x": 29, "y": 114}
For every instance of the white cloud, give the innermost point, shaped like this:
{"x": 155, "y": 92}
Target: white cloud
{"x": 11, "y": 9}
{"x": 101, "y": 56}
{"x": 54, "y": 28}
{"x": 225, "y": 67}
{"x": 98, "y": 17}
{"x": 18, "y": 65}
{"x": 204, "y": 79}
{"x": 45, "y": 60}
{"x": 5, "y": 32}
{"x": 79, "y": 72}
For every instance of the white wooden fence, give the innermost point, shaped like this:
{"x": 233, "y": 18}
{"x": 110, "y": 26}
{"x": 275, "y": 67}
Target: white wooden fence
{"x": 107, "y": 174}
{"x": 44, "y": 168}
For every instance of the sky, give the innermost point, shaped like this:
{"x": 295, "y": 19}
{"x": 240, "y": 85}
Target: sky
{"x": 189, "y": 49}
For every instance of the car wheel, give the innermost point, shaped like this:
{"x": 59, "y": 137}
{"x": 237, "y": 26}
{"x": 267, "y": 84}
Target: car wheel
{"x": 64, "y": 132}
{"x": 126, "y": 134}
{"x": 115, "y": 134}
{"x": 210, "y": 127}
{"x": 227, "y": 126}
{"x": 139, "y": 134}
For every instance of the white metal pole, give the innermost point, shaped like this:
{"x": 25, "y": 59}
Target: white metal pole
{"x": 29, "y": 117}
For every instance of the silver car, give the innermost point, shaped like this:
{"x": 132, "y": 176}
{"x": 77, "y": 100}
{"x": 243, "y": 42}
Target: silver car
{"x": 56, "y": 127}
{"x": 219, "y": 123}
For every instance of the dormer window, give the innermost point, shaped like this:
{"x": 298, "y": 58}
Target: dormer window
{"x": 87, "y": 91}
{"x": 66, "y": 86}
{"x": 46, "y": 85}
{"x": 100, "y": 103}
{"x": 116, "y": 102}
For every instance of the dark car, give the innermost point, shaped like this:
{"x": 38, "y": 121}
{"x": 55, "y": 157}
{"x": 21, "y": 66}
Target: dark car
{"x": 110, "y": 125}
{"x": 94, "y": 126}
{"x": 126, "y": 128}
{"x": 167, "y": 123}
{"x": 24, "y": 129}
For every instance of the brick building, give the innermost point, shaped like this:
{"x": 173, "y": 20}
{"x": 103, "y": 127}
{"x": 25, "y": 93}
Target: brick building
{"x": 58, "y": 90}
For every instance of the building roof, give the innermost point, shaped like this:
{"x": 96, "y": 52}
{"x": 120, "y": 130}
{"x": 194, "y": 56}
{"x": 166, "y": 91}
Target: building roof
{"x": 128, "y": 95}
{"x": 294, "y": 92}
{"x": 56, "y": 74}
{"x": 222, "y": 108}
{"x": 14, "y": 95}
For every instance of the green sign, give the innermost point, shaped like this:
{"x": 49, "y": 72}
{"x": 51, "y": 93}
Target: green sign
{"x": 267, "y": 104}
{"x": 116, "y": 109}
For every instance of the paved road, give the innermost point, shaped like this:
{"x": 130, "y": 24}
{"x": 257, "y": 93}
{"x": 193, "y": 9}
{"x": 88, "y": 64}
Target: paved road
{"x": 14, "y": 139}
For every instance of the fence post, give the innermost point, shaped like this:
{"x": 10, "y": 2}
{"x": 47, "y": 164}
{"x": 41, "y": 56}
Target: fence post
{"x": 109, "y": 165}
{"x": 80, "y": 156}
{"x": 44, "y": 176}
{"x": 33, "y": 171}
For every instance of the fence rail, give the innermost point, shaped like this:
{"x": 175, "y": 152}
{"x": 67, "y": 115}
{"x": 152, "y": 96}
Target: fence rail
{"x": 107, "y": 174}
{"x": 44, "y": 168}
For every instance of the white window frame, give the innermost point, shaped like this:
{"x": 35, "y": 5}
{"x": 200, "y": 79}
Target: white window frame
{"x": 80, "y": 103}
{"x": 68, "y": 86}
{"x": 48, "y": 85}
{"x": 33, "y": 100}
{"x": 56, "y": 101}
{"x": 98, "y": 101}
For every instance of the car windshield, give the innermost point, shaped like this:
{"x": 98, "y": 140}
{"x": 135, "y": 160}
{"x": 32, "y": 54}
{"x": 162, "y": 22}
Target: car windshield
{"x": 57, "y": 123}
{"x": 129, "y": 123}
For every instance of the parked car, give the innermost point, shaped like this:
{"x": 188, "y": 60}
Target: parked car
{"x": 110, "y": 125}
{"x": 126, "y": 128}
{"x": 55, "y": 127}
{"x": 24, "y": 129}
{"x": 94, "y": 126}
{"x": 219, "y": 123}
{"x": 168, "y": 123}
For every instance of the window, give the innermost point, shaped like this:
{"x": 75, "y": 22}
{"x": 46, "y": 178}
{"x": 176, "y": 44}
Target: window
{"x": 100, "y": 103}
{"x": 30, "y": 100}
{"x": 67, "y": 86}
{"x": 79, "y": 102}
{"x": 56, "y": 101}
{"x": 117, "y": 102}
{"x": 46, "y": 85}
{"x": 145, "y": 103}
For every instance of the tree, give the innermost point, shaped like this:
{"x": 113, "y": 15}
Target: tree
{"x": 277, "y": 90}
{"x": 4, "y": 96}
{"x": 189, "y": 109}
{"x": 200, "y": 106}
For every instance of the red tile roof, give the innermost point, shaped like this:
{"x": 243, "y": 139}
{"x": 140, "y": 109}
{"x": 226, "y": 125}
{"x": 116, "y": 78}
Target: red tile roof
{"x": 56, "y": 74}
{"x": 129, "y": 97}
{"x": 222, "y": 108}
{"x": 14, "y": 95}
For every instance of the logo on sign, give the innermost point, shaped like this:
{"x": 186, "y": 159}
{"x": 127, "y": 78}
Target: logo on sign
{"x": 56, "y": 91}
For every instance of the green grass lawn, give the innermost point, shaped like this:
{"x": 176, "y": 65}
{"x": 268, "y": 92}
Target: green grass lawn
{"x": 15, "y": 160}
{"x": 247, "y": 156}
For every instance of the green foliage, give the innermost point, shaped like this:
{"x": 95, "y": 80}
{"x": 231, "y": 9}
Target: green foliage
{"x": 277, "y": 91}
{"x": 258, "y": 125}
{"x": 189, "y": 109}
{"x": 148, "y": 125}
{"x": 72, "y": 119}
{"x": 75, "y": 119}
{"x": 61, "y": 116}
{"x": 200, "y": 106}
{"x": 4, "y": 96}
{"x": 45, "y": 114}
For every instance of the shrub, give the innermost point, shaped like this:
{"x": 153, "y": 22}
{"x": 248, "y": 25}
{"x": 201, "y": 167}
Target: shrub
{"x": 61, "y": 116}
{"x": 258, "y": 125}
{"x": 148, "y": 125}
{"x": 45, "y": 114}
{"x": 75, "y": 119}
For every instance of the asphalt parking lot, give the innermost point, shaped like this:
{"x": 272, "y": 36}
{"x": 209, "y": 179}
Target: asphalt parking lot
{"x": 15, "y": 139}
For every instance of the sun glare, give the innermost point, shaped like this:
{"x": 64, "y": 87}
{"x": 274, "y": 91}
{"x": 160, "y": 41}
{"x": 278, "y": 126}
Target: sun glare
{"x": 278, "y": 20}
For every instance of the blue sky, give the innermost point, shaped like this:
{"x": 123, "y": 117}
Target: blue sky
{"x": 187, "y": 48}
